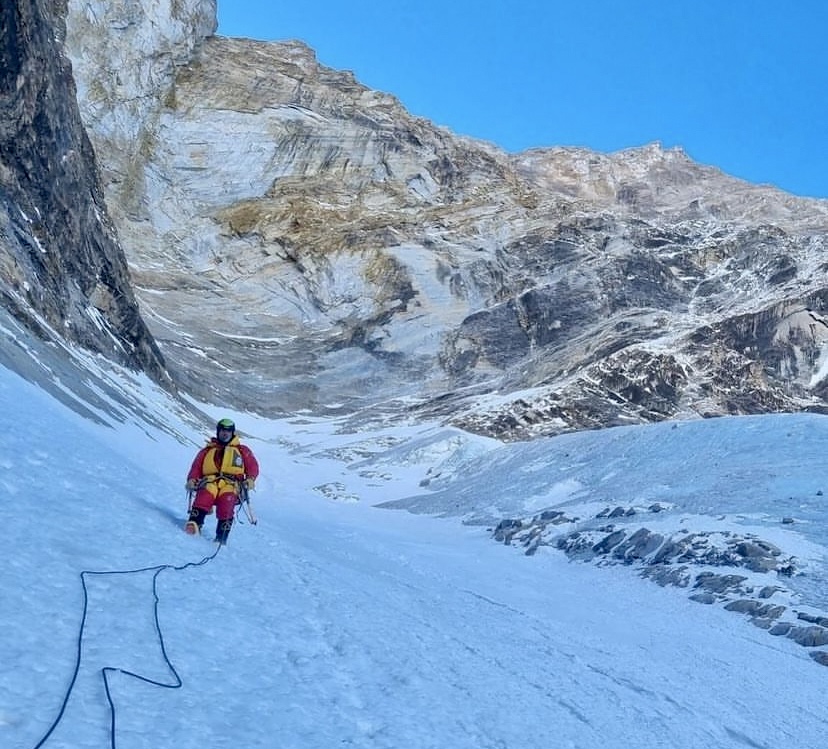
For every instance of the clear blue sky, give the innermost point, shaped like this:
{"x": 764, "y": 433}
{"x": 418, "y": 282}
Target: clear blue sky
{"x": 739, "y": 84}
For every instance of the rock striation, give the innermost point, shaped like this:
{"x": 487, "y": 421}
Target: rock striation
{"x": 299, "y": 242}
{"x": 63, "y": 273}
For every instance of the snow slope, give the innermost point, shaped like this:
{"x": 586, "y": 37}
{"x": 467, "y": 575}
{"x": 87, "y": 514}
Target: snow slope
{"x": 333, "y": 623}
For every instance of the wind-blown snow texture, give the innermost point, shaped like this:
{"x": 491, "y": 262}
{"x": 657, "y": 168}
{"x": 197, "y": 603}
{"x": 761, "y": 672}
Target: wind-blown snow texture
{"x": 338, "y": 624}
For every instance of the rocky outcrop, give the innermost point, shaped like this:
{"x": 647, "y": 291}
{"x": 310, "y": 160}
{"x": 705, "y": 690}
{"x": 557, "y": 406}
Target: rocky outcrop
{"x": 63, "y": 274}
{"x": 741, "y": 572}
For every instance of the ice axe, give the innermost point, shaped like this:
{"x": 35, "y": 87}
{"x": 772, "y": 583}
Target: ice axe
{"x": 244, "y": 501}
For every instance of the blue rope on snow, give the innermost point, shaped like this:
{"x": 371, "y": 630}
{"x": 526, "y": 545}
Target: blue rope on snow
{"x": 106, "y": 670}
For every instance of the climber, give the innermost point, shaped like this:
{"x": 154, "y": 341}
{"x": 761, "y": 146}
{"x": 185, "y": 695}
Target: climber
{"x": 220, "y": 472}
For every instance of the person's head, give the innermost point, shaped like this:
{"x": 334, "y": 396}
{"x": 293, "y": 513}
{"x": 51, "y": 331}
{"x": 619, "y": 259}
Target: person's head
{"x": 225, "y": 431}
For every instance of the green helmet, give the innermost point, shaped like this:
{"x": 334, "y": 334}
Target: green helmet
{"x": 224, "y": 427}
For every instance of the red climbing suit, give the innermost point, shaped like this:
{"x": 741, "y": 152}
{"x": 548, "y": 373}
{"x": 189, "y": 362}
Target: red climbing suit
{"x": 222, "y": 468}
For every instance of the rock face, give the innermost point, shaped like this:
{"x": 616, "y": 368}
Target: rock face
{"x": 63, "y": 275}
{"x": 301, "y": 242}
{"x": 125, "y": 55}
{"x": 739, "y": 571}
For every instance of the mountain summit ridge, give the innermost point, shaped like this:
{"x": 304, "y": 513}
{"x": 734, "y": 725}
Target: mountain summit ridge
{"x": 299, "y": 242}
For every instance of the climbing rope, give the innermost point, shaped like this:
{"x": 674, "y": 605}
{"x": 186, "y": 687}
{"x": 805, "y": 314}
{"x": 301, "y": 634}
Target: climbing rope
{"x": 107, "y": 670}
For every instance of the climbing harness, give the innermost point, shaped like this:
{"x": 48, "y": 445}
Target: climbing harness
{"x": 242, "y": 502}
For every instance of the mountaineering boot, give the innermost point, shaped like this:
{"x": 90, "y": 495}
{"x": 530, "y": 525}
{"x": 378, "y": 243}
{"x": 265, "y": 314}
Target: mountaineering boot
{"x": 194, "y": 521}
{"x": 223, "y": 530}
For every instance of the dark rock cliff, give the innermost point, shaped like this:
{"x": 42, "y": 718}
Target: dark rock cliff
{"x": 63, "y": 274}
